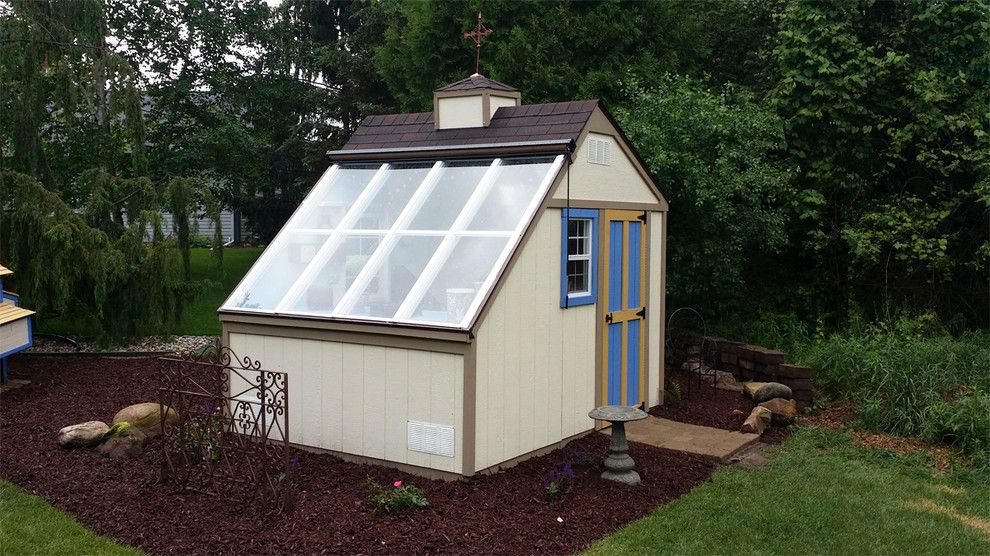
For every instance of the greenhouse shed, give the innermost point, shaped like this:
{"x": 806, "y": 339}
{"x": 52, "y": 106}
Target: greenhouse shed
{"x": 462, "y": 286}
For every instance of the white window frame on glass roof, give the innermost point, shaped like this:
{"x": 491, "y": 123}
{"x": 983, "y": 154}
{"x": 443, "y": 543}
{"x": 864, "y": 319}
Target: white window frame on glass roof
{"x": 347, "y": 227}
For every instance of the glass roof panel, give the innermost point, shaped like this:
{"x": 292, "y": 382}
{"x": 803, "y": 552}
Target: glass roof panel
{"x": 512, "y": 190}
{"x": 398, "y": 185}
{"x": 323, "y": 289}
{"x": 386, "y": 286}
{"x": 460, "y": 280}
{"x": 330, "y": 200}
{"x": 446, "y": 200}
{"x": 417, "y": 242}
{"x": 272, "y": 277}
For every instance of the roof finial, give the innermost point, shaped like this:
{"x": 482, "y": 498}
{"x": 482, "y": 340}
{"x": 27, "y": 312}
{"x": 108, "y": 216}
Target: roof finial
{"x": 479, "y": 32}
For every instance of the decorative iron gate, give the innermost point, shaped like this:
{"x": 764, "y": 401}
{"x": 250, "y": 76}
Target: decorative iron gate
{"x": 231, "y": 437}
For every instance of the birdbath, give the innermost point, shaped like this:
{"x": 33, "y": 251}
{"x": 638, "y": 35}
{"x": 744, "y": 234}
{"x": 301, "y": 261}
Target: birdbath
{"x": 618, "y": 464}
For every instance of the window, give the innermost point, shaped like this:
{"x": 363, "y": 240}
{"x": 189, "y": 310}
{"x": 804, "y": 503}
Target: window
{"x": 578, "y": 265}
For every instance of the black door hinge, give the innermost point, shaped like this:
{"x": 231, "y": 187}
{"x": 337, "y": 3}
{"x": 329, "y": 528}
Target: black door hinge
{"x": 641, "y": 313}
{"x": 643, "y": 217}
{"x": 608, "y": 317}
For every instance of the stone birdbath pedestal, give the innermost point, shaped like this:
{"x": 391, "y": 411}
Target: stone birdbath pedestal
{"x": 618, "y": 464}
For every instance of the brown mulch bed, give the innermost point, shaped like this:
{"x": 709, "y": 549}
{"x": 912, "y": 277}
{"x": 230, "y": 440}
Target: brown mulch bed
{"x": 844, "y": 416}
{"x": 502, "y": 513}
{"x": 705, "y": 406}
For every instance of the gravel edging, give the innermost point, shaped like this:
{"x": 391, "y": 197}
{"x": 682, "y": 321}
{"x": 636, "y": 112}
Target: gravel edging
{"x": 151, "y": 345}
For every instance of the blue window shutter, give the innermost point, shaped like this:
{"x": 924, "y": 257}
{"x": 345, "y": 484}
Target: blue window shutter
{"x": 592, "y": 296}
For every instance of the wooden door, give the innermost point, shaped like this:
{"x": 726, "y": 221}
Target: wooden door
{"x": 623, "y": 307}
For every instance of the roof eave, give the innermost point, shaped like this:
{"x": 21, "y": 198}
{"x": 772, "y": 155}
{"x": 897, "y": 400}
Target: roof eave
{"x": 452, "y": 151}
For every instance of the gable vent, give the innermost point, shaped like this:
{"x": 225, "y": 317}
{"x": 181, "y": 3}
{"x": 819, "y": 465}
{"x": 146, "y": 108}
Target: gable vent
{"x": 600, "y": 151}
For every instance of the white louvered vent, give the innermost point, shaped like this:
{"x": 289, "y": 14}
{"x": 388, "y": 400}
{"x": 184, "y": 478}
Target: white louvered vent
{"x": 600, "y": 151}
{"x": 431, "y": 438}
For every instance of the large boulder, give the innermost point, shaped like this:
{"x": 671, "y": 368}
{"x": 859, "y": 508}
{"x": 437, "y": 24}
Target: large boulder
{"x": 772, "y": 390}
{"x": 758, "y": 421}
{"x": 782, "y": 412}
{"x": 146, "y": 416}
{"x": 82, "y": 435}
{"x": 126, "y": 442}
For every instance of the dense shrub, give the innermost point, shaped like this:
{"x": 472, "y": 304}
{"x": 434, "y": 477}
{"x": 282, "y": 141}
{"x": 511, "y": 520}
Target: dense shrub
{"x": 907, "y": 377}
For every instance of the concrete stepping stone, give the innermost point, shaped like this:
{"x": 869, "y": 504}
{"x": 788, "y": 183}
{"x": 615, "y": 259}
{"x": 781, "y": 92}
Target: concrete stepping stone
{"x": 683, "y": 437}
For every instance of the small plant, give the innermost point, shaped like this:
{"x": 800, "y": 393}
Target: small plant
{"x": 673, "y": 395}
{"x": 397, "y": 496}
{"x": 559, "y": 481}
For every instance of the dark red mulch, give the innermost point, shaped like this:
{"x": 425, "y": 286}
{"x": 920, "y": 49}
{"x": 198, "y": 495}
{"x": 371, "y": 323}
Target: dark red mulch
{"x": 705, "y": 406}
{"x": 502, "y": 513}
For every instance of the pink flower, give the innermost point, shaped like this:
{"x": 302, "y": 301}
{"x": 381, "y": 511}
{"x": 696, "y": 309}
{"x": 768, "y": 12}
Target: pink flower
{"x": 397, "y": 484}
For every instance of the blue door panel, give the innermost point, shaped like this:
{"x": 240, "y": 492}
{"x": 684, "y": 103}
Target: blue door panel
{"x": 635, "y": 229}
{"x": 632, "y": 362}
{"x": 615, "y": 364}
{"x": 615, "y": 267}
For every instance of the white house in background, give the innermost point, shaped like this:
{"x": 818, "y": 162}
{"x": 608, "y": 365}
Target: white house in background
{"x": 462, "y": 286}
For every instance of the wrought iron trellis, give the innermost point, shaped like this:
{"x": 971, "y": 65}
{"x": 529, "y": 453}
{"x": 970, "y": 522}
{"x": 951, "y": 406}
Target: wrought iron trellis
{"x": 689, "y": 348}
{"x": 231, "y": 437}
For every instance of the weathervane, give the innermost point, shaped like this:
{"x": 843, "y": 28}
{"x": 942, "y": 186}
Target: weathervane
{"x": 479, "y": 32}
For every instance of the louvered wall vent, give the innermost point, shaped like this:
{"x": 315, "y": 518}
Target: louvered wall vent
{"x": 600, "y": 151}
{"x": 431, "y": 438}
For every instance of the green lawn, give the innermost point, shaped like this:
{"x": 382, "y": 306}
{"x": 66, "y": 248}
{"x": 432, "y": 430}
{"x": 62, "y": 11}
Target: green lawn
{"x": 819, "y": 495}
{"x": 199, "y": 316}
{"x": 29, "y": 525}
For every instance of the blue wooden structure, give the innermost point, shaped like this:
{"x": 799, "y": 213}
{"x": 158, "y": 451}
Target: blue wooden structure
{"x": 15, "y": 325}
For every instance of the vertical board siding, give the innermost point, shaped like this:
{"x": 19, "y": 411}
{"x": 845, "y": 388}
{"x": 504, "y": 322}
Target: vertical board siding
{"x": 655, "y": 313}
{"x": 536, "y": 362}
{"x": 357, "y": 399}
{"x": 587, "y": 179}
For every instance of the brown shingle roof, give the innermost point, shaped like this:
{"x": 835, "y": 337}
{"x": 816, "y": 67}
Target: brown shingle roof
{"x": 510, "y": 124}
{"x": 477, "y": 81}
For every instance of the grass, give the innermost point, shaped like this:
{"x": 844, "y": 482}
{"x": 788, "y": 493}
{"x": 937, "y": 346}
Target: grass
{"x": 199, "y": 316}
{"x": 819, "y": 495}
{"x": 908, "y": 376}
{"x": 29, "y": 525}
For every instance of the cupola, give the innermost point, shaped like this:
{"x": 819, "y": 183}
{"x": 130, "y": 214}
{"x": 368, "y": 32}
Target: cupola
{"x": 471, "y": 102}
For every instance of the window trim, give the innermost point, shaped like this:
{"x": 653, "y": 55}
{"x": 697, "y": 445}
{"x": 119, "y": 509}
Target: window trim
{"x": 572, "y": 300}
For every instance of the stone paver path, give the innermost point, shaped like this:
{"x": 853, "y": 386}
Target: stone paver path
{"x": 695, "y": 439}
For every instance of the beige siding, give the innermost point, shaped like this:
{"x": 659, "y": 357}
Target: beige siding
{"x": 536, "y": 361}
{"x": 13, "y": 334}
{"x": 656, "y": 308}
{"x": 357, "y": 399}
{"x": 498, "y": 102}
{"x": 458, "y": 112}
{"x": 616, "y": 182}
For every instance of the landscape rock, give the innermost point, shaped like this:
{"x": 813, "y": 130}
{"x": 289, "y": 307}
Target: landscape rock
{"x": 146, "y": 416}
{"x": 126, "y": 445}
{"x": 82, "y": 435}
{"x": 738, "y": 412}
{"x": 782, "y": 411}
{"x": 758, "y": 421}
{"x": 725, "y": 380}
{"x": 772, "y": 390}
{"x": 751, "y": 388}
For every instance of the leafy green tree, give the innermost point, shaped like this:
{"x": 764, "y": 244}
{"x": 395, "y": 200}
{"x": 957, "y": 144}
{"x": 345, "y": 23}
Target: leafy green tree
{"x": 885, "y": 105}
{"x": 714, "y": 153}
{"x": 102, "y": 274}
{"x": 551, "y": 51}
